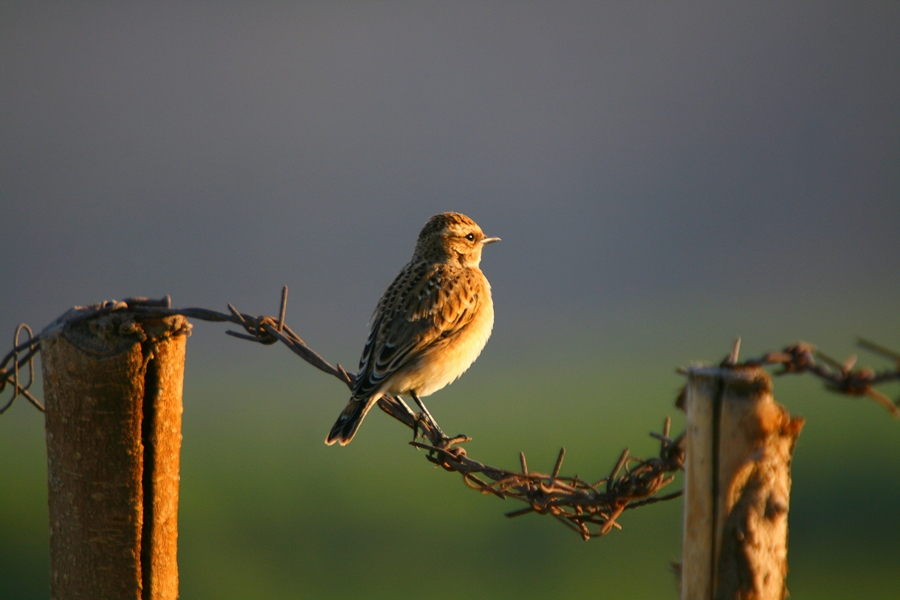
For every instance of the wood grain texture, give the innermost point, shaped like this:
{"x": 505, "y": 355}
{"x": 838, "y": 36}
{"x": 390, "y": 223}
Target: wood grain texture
{"x": 739, "y": 449}
{"x": 113, "y": 392}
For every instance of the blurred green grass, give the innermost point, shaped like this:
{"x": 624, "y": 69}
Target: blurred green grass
{"x": 268, "y": 511}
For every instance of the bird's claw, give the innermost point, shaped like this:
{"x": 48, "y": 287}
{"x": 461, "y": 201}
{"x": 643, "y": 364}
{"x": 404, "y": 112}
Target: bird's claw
{"x": 419, "y": 429}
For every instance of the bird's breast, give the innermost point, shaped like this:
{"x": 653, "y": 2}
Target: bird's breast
{"x": 444, "y": 361}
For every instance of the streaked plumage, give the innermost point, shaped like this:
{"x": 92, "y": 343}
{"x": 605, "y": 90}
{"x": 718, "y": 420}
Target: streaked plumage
{"x": 429, "y": 326}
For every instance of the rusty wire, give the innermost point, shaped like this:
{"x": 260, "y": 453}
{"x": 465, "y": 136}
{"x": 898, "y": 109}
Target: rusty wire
{"x": 590, "y": 509}
{"x": 576, "y": 502}
{"x": 839, "y": 377}
{"x": 10, "y": 374}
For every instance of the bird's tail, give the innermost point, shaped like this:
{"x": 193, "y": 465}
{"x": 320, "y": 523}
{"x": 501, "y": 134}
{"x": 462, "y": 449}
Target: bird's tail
{"x": 345, "y": 427}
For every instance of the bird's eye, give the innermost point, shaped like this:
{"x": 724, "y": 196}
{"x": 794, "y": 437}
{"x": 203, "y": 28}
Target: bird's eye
{"x": 471, "y": 237}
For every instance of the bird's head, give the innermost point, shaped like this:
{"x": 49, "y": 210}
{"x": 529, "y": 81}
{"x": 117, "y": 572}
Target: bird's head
{"x": 452, "y": 238}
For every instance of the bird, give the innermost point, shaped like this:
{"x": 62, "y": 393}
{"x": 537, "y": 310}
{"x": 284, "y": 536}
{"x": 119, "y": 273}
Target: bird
{"x": 430, "y": 325}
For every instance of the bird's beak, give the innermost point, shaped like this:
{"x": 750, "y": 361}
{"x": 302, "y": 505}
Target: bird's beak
{"x": 490, "y": 240}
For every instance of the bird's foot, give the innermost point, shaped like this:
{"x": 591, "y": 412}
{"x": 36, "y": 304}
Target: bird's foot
{"x": 428, "y": 427}
{"x": 417, "y": 426}
{"x": 459, "y": 439}
{"x": 449, "y": 443}
{"x": 425, "y": 427}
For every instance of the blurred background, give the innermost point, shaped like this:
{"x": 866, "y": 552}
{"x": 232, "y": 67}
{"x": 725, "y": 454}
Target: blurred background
{"x": 665, "y": 177}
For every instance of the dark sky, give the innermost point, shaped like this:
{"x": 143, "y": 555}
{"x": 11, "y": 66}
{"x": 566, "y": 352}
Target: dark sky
{"x": 640, "y": 161}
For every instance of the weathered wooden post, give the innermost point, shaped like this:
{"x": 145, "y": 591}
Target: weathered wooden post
{"x": 113, "y": 385}
{"x": 737, "y": 489}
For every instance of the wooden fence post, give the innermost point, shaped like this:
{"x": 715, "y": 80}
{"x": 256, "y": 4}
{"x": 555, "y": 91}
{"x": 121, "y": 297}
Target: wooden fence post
{"x": 737, "y": 488}
{"x": 113, "y": 386}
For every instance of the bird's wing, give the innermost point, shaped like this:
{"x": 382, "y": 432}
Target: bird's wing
{"x": 425, "y": 305}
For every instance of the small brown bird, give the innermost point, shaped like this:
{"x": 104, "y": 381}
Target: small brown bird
{"x": 429, "y": 326}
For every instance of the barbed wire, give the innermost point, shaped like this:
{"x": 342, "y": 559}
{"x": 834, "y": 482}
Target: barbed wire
{"x": 838, "y": 377}
{"x": 10, "y": 374}
{"x": 590, "y": 509}
{"x": 575, "y": 502}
